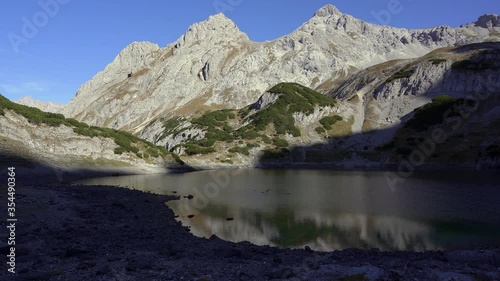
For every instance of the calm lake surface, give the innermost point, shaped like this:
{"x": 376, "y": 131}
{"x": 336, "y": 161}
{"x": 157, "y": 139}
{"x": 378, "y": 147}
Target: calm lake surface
{"x": 330, "y": 210}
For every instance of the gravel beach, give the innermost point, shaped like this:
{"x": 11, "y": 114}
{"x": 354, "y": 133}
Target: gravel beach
{"x": 67, "y": 232}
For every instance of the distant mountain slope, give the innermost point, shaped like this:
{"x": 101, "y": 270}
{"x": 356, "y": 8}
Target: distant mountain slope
{"x": 283, "y": 116}
{"x": 50, "y": 138}
{"x": 385, "y": 93}
{"x": 214, "y": 65}
{"x": 377, "y": 116}
{"x": 44, "y": 106}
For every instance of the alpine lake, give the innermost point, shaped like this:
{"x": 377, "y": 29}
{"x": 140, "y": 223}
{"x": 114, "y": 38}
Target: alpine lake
{"x": 333, "y": 210}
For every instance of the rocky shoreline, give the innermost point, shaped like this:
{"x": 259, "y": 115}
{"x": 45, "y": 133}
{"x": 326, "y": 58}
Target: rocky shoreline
{"x": 70, "y": 232}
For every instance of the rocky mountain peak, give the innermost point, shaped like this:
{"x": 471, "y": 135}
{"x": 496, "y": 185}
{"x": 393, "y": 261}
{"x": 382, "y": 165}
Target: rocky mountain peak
{"x": 137, "y": 48}
{"x": 215, "y": 26}
{"x": 488, "y": 21}
{"x": 214, "y": 64}
{"x": 133, "y": 57}
{"x": 328, "y": 10}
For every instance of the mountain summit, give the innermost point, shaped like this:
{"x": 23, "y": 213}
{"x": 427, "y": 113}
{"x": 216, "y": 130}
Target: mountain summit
{"x": 215, "y": 65}
{"x": 216, "y": 26}
{"x": 327, "y": 10}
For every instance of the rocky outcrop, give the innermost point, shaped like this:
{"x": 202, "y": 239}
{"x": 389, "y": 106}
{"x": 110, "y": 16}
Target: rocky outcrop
{"x": 172, "y": 140}
{"x": 215, "y": 65}
{"x": 265, "y": 100}
{"x": 488, "y": 21}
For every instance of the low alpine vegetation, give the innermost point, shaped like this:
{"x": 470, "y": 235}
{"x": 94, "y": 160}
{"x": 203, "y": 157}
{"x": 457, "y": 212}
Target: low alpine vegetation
{"x": 126, "y": 142}
{"x": 328, "y": 121}
{"x": 244, "y": 125}
{"x": 401, "y": 75}
{"x": 437, "y": 61}
{"x": 434, "y": 112}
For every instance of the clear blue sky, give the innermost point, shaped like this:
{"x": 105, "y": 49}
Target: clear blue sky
{"x": 82, "y": 36}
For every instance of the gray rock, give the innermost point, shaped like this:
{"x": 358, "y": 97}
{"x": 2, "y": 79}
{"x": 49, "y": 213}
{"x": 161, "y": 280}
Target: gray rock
{"x": 214, "y": 63}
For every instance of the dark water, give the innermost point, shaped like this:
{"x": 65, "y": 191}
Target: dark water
{"x": 330, "y": 210}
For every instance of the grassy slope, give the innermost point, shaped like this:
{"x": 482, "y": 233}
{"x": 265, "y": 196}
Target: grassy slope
{"x": 126, "y": 142}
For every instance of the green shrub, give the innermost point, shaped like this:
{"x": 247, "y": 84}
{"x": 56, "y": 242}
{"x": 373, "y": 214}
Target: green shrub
{"x": 214, "y": 118}
{"x": 280, "y": 142}
{"x": 205, "y": 142}
{"x": 328, "y": 121}
{"x": 193, "y": 149}
{"x": 153, "y": 152}
{"x": 240, "y": 149}
{"x": 437, "y": 61}
{"x": 433, "y": 113}
{"x": 283, "y": 120}
{"x": 250, "y": 134}
{"x": 275, "y": 154}
{"x": 320, "y": 130}
{"x": 119, "y": 150}
{"x": 89, "y": 132}
{"x": 294, "y": 91}
{"x": 400, "y": 75}
{"x": 266, "y": 139}
{"x": 125, "y": 140}
{"x": 75, "y": 123}
{"x": 177, "y": 159}
{"x": 218, "y": 135}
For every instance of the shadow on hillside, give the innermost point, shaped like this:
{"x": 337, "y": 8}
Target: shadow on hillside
{"x": 349, "y": 152}
{"x": 476, "y": 46}
{"x": 30, "y": 171}
{"x": 372, "y": 149}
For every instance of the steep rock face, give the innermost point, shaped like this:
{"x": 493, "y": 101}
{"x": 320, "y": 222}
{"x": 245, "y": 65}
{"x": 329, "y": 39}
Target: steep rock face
{"x": 45, "y": 106}
{"x": 215, "y": 65}
{"x": 112, "y": 85}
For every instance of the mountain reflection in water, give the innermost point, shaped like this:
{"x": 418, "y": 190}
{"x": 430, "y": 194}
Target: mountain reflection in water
{"x": 335, "y": 210}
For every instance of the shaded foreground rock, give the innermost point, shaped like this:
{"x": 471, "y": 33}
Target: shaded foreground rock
{"x": 107, "y": 233}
